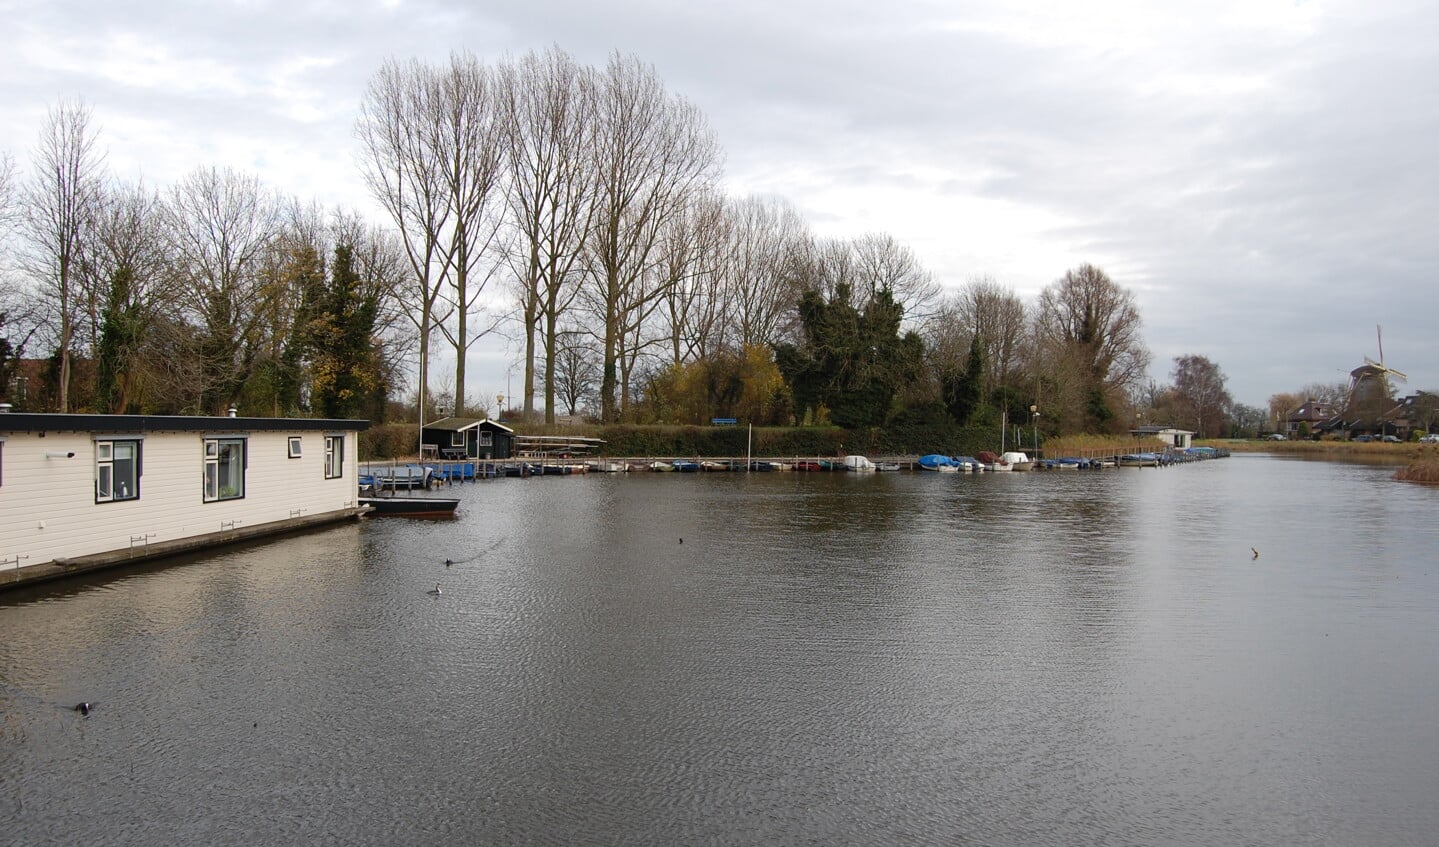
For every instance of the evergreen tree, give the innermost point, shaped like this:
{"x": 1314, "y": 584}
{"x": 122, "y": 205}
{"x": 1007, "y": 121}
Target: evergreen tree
{"x": 964, "y": 392}
{"x": 121, "y": 334}
{"x": 345, "y": 368}
{"x": 850, "y": 361}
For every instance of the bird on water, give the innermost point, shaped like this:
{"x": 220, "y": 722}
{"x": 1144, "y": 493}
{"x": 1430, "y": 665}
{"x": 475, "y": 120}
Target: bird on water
{"x": 1255, "y": 551}
{"x": 83, "y": 708}
{"x": 437, "y": 589}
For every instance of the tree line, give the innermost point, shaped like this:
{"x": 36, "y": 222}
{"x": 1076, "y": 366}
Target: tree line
{"x": 579, "y": 211}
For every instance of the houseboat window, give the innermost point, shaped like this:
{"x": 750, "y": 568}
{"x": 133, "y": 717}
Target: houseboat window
{"x": 294, "y": 447}
{"x": 457, "y": 439}
{"x": 487, "y": 439}
{"x": 117, "y": 471}
{"x": 334, "y": 456}
{"x": 224, "y": 469}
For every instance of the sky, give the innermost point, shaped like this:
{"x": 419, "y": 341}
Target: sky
{"x": 1262, "y": 174}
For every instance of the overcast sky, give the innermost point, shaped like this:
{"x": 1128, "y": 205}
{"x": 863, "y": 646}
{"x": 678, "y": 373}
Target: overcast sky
{"x": 1263, "y": 174}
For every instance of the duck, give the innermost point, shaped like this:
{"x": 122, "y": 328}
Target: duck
{"x": 83, "y": 708}
{"x": 437, "y": 589}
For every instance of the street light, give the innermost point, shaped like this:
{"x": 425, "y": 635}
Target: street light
{"x": 1034, "y": 414}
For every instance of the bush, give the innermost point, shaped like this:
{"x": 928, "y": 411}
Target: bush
{"x": 389, "y": 441}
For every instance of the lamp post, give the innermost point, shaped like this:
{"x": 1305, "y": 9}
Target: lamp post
{"x": 1034, "y": 415}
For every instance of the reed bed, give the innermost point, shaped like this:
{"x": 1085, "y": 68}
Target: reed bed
{"x": 1424, "y": 469}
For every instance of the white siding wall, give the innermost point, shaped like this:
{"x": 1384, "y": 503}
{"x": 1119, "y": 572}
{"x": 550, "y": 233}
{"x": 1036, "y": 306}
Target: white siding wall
{"x": 48, "y": 508}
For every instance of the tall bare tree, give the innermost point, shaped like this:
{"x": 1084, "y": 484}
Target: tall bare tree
{"x": 550, "y": 115}
{"x": 651, "y": 151}
{"x": 221, "y": 227}
{"x": 58, "y": 203}
{"x": 1088, "y": 328}
{"x": 398, "y": 134}
{"x": 472, "y": 146}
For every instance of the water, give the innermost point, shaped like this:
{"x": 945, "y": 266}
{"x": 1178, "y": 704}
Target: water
{"x": 1027, "y": 659}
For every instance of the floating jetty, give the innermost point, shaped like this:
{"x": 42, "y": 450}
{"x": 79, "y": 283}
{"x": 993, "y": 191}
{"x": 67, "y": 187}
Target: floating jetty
{"x": 379, "y": 477}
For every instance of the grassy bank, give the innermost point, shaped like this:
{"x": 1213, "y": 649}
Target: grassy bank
{"x": 1320, "y": 449}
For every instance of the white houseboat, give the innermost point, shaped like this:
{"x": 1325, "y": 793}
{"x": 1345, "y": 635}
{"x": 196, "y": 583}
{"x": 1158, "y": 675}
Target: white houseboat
{"x": 79, "y": 492}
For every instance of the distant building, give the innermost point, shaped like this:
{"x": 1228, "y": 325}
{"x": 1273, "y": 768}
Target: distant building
{"x": 1313, "y": 412}
{"x": 1178, "y": 438}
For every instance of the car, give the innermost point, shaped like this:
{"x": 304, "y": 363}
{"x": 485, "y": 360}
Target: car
{"x": 1277, "y": 436}
{"x": 1432, "y": 438}
{"x": 1390, "y": 439}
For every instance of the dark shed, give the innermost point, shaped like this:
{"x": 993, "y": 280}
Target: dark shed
{"x": 459, "y": 439}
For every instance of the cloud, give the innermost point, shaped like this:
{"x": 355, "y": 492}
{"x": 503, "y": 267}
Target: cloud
{"x": 1259, "y": 172}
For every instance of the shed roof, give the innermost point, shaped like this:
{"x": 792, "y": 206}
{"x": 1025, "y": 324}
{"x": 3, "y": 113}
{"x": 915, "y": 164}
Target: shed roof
{"x": 464, "y": 424}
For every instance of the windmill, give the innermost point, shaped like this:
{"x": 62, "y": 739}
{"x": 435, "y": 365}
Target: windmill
{"x": 1370, "y": 394}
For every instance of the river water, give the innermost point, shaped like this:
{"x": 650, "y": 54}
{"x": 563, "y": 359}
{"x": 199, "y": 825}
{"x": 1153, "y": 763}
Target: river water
{"x": 1062, "y": 658}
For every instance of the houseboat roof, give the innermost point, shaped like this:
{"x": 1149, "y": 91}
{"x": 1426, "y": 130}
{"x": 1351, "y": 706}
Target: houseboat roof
{"x": 464, "y": 424}
{"x": 54, "y": 422}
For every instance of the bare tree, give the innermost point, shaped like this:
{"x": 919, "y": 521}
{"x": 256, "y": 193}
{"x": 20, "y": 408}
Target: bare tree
{"x": 691, "y": 256}
{"x": 883, "y": 264}
{"x": 1203, "y": 399}
{"x": 397, "y": 130}
{"x": 1088, "y": 328}
{"x": 995, "y": 314}
{"x": 577, "y": 369}
{"x": 221, "y": 225}
{"x": 1331, "y": 394}
{"x": 7, "y": 193}
{"x": 58, "y": 203}
{"x": 651, "y": 151}
{"x": 550, "y": 108}
{"x": 768, "y": 239}
{"x": 471, "y": 148}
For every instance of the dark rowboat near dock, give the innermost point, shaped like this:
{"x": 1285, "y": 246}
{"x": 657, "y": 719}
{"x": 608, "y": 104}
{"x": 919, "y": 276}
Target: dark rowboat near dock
{"x": 411, "y": 507}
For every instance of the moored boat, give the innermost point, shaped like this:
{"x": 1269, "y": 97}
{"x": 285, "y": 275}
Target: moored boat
{"x": 938, "y": 462}
{"x": 861, "y": 464}
{"x": 411, "y": 507}
{"x": 967, "y": 464}
{"x": 993, "y": 462}
{"x": 1017, "y": 461}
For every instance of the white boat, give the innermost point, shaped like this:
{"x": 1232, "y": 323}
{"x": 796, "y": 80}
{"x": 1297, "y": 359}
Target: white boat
{"x": 858, "y": 463}
{"x": 664, "y": 467}
{"x": 1017, "y": 461}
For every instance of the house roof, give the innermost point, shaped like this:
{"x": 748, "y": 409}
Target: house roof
{"x": 49, "y": 422}
{"x": 464, "y": 424}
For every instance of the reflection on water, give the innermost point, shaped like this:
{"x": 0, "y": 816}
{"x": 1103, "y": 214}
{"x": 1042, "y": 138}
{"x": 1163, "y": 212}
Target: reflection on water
{"x": 1052, "y": 658}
